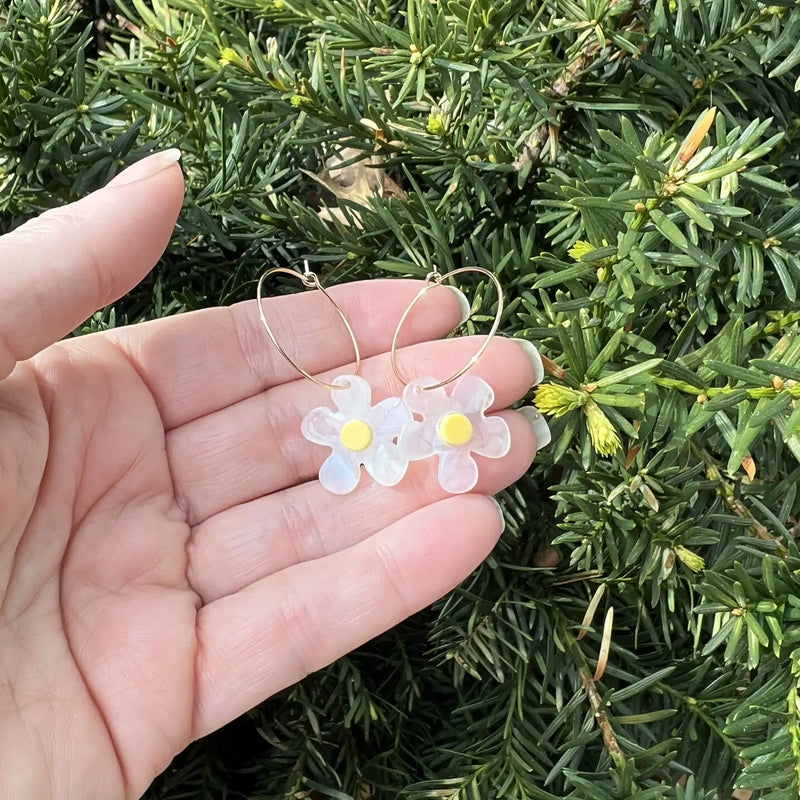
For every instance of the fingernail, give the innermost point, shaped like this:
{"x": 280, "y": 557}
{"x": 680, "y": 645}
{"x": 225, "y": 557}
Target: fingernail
{"x": 466, "y": 308}
{"x": 147, "y": 167}
{"x": 500, "y": 512}
{"x": 539, "y": 424}
{"x": 534, "y": 358}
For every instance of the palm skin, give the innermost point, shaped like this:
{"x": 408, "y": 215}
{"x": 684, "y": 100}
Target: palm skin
{"x": 98, "y": 635}
{"x": 167, "y": 558}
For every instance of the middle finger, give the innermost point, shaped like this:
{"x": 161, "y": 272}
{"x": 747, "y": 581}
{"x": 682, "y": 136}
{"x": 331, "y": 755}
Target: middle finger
{"x": 255, "y": 446}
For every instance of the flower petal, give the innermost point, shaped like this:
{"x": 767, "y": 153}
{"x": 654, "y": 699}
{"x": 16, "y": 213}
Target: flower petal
{"x": 340, "y": 473}
{"x": 434, "y": 402}
{"x": 386, "y": 465}
{"x": 491, "y": 437}
{"x": 458, "y": 472}
{"x": 321, "y": 425}
{"x": 473, "y": 394}
{"x": 355, "y": 399}
{"x": 389, "y": 417}
{"x": 417, "y": 439}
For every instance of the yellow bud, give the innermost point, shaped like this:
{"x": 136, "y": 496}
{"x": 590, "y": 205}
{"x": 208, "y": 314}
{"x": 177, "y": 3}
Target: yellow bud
{"x": 605, "y": 439}
{"x": 690, "y": 559}
{"x": 580, "y": 249}
{"x": 435, "y": 123}
{"x": 228, "y": 56}
{"x": 551, "y": 398}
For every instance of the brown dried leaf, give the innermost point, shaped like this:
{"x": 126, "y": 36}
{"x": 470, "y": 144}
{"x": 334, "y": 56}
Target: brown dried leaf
{"x": 357, "y": 181}
{"x": 553, "y": 369}
{"x": 631, "y": 457}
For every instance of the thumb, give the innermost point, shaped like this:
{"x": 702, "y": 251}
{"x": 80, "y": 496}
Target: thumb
{"x": 58, "y": 269}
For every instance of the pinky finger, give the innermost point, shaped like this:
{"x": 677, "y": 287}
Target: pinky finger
{"x": 277, "y": 630}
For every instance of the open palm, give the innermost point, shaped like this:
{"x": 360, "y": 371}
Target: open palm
{"x": 167, "y": 558}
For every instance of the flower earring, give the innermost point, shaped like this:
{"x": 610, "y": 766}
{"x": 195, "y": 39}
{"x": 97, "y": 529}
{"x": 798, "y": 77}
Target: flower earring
{"x": 454, "y": 426}
{"x": 357, "y": 432}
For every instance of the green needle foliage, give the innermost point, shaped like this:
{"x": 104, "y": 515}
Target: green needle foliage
{"x": 629, "y": 170}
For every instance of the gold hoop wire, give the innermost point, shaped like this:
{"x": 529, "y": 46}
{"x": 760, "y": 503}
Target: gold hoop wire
{"x": 435, "y": 279}
{"x": 310, "y": 280}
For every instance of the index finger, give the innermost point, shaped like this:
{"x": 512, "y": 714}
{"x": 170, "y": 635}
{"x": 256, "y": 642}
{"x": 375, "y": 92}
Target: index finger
{"x": 201, "y": 362}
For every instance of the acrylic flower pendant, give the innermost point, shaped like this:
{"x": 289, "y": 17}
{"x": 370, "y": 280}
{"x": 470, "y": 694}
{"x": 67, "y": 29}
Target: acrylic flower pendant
{"x": 358, "y": 433}
{"x": 453, "y": 428}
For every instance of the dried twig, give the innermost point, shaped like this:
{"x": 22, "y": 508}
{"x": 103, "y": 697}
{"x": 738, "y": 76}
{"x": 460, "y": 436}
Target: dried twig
{"x": 598, "y": 707}
{"x": 547, "y": 132}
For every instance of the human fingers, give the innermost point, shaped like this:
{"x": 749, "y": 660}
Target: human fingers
{"x": 250, "y": 541}
{"x": 255, "y": 447}
{"x": 198, "y": 363}
{"x": 61, "y": 267}
{"x": 276, "y": 631}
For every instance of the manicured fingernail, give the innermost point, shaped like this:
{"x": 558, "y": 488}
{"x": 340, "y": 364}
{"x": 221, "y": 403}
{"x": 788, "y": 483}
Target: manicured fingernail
{"x": 534, "y": 358}
{"x": 466, "y": 308}
{"x": 500, "y": 512}
{"x": 147, "y": 167}
{"x": 539, "y": 424}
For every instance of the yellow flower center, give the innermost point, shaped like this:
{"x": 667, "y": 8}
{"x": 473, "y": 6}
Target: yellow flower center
{"x": 455, "y": 429}
{"x": 356, "y": 435}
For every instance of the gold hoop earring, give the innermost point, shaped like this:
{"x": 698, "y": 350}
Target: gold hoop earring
{"x": 310, "y": 280}
{"x": 454, "y": 426}
{"x": 432, "y": 280}
{"x": 357, "y": 432}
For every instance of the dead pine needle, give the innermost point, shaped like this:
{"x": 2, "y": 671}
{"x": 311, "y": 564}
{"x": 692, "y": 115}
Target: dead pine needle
{"x": 588, "y": 617}
{"x": 605, "y": 644}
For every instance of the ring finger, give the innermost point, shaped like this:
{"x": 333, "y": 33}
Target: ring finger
{"x": 233, "y": 549}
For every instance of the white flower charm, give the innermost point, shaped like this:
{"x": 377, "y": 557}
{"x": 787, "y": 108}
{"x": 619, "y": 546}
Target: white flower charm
{"x": 453, "y": 428}
{"x": 358, "y": 433}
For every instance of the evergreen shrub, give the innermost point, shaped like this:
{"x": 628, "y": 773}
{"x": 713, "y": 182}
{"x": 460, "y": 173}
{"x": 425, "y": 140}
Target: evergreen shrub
{"x": 629, "y": 170}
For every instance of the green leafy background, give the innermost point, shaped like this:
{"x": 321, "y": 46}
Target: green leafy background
{"x": 500, "y": 133}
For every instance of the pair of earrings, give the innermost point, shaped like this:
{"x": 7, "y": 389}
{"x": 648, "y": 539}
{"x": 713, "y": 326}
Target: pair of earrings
{"x": 385, "y": 437}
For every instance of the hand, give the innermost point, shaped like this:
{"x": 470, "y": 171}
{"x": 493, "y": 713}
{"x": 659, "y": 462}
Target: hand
{"x": 167, "y": 558}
